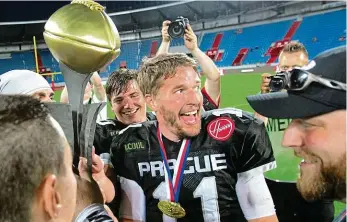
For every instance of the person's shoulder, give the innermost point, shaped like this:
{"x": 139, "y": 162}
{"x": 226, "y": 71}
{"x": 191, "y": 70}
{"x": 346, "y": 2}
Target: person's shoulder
{"x": 107, "y": 122}
{"x": 232, "y": 118}
{"x": 233, "y": 113}
{"x": 138, "y": 127}
{"x": 139, "y": 131}
{"x": 111, "y": 124}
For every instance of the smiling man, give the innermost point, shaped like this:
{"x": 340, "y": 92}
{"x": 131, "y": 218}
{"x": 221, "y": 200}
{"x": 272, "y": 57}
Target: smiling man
{"x": 129, "y": 106}
{"x": 217, "y": 159}
{"x": 127, "y": 103}
{"x": 316, "y": 101}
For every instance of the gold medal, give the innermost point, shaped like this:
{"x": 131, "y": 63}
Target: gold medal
{"x": 171, "y": 209}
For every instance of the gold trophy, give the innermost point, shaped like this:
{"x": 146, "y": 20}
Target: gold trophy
{"x": 84, "y": 39}
{"x": 82, "y": 36}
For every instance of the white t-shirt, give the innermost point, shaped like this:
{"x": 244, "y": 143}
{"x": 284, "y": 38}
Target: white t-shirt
{"x": 103, "y": 113}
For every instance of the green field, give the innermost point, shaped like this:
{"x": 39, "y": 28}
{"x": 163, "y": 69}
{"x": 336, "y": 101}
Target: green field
{"x": 235, "y": 88}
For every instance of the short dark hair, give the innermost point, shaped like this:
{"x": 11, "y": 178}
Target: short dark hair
{"x": 87, "y": 194}
{"x": 294, "y": 46}
{"x": 118, "y": 80}
{"x": 162, "y": 66}
{"x": 30, "y": 149}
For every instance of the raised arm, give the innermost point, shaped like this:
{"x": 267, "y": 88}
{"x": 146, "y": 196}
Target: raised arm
{"x": 98, "y": 88}
{"x": 64, "y": 98}
{"x": 208, "y": 67}
{"x": 165, "y": 43}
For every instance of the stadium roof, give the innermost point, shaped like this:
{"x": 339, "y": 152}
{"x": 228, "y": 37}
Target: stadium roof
{"x": 20, "y": 21}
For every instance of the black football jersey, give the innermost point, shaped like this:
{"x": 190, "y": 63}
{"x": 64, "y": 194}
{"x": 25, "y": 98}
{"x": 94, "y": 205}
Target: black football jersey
{"x": 105, "y": 131}
{"x": 229, "y": 144}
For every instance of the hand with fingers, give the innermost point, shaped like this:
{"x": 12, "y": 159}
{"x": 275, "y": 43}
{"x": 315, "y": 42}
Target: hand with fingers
{"x": 98, "y": 174}
{"x": 190, "y": 39}
{"x": 97, "y": 167}
{"x": 265, "y": 83}
{"x": 164, "y": 31}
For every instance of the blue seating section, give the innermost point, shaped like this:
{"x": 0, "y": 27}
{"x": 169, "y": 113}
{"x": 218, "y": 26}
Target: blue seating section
{"x": 317, "y": 33}
{"x": 326, "y": 28}
{"x": 258, "y": 38}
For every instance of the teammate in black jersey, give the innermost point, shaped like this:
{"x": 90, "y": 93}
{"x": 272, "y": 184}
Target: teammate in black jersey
{"x": 220, "y": 157}
{"x": 129, "y": 106}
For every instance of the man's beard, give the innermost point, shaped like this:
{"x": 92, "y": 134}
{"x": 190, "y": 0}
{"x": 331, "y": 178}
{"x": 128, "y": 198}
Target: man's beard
{"x": 328, "y": 182}
{"x": 172, "y": 122}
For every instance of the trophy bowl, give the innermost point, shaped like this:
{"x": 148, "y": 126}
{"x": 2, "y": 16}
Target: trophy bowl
{"x": 82, "y": 36}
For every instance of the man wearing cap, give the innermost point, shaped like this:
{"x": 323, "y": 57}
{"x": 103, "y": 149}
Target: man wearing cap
{"x": 293, "y": 55}
{"x": 26, "y": 82}
{"x": 315, "y": 99}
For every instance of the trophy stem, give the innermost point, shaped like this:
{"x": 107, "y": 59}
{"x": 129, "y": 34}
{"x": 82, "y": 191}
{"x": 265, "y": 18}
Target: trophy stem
{"x": 75, "y": 84}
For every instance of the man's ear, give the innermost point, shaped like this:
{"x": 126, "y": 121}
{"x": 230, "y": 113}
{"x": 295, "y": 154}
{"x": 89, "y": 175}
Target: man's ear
{"x": 50, "y": 197}
{"x": 150, "y": 101}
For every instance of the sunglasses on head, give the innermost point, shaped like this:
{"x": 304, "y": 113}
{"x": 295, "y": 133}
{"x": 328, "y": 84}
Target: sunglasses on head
{"x": 299, "y": 79}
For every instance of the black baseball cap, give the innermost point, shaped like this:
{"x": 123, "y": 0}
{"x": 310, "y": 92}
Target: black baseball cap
{"x": 316, "y": 99}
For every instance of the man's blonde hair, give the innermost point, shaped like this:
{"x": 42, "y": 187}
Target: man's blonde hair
{"x": 154, "y": 70}
{"x": 294, "y": 46}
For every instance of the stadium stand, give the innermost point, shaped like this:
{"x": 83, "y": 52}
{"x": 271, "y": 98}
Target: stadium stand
{"x": 326, "y": 28}
{"x": 249, "y": 45}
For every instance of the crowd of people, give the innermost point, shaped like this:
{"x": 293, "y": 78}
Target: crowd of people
{"x": 185, "y": 160}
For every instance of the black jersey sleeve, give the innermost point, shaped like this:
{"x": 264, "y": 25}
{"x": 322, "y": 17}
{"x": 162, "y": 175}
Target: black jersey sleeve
{"x": 124, "y": 150}
{"x": 256, "y": 155}
{"x": 102, "y": 139}
{"x": 105, "y": 131}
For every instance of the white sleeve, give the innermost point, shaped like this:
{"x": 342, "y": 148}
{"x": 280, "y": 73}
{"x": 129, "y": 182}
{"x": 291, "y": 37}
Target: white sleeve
{"x": 133, "y": 201}
{"x": 254, "y": 196}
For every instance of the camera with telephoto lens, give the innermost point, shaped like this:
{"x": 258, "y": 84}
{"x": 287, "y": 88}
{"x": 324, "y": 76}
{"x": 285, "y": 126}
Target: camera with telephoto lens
{"x": 279, "y": 82}
{"x": 176, "y": 28}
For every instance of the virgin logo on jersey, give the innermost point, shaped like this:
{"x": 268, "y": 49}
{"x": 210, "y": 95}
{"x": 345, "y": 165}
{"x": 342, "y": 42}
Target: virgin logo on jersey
{"x": 196, "y": 164}
{"x": 221, "y": 129}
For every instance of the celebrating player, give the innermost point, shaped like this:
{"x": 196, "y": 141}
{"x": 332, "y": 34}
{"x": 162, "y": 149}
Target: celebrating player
{"x": 217, "y": 159}
{"x": 129, "y": 106}
{"x": 128, "y": 103}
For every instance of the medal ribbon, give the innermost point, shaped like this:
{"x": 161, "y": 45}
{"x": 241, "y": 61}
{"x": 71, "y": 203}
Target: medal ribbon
{"x": 174, "y": 183}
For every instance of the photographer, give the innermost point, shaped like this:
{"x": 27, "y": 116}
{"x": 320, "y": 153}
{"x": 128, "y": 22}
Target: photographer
{"x": 211, "y": 91}
{"x": 294, "y": 54}
{"x": 316, "y": 101}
